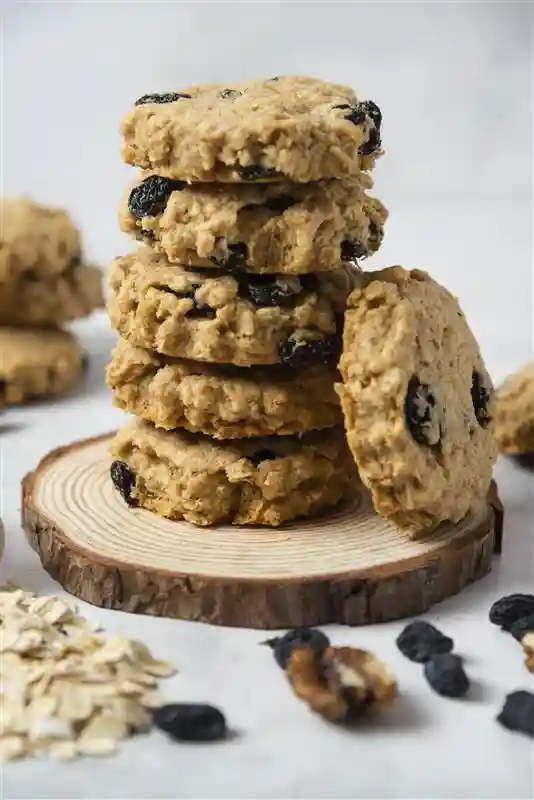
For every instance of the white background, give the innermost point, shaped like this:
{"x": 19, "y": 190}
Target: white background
{"x": 454, "y": 81}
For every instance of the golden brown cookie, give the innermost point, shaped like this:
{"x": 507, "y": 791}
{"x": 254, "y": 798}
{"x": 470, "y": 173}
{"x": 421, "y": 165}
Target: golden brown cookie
{"x": 37, "y": 364}
{"x": 273, "y": 228}
{"x": 514, "y": 413}
{"x": 35, "y": 238}
{"x": 298, "y": 128}
{"x": 265, "y": 481}
{"x": 51, "y": 299}
{"x": 236, "y": 319}
{"x": 222, "y": 401}
{"x": 417, "y": 400}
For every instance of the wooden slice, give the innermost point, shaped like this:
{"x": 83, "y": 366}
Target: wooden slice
{"x": 349, "y": 567}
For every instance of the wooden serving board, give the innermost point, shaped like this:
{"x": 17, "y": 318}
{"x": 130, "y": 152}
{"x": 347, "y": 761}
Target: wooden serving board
{"x": 348, "y": 567}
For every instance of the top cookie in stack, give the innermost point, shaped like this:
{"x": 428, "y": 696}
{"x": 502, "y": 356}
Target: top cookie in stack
{"x": 251, "y": 203}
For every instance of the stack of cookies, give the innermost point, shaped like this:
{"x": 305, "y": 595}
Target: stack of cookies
{"x": 44, "y": 283}
{"x": 252, "y": 206}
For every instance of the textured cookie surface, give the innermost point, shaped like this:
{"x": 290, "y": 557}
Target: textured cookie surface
{"x": 237, "y": 319}
{"x": 51, "y": 299}
{"x": 37, "y": 363}
{"x": 514, "y": 413}
{"x": 222, "y": 401}
{"x": 274, "y": 228}
{"x": 417, "y": 400}
{"x": 299, "y": 128}
{"x": 251, "y": 482}
{"x": 36, "y": 239}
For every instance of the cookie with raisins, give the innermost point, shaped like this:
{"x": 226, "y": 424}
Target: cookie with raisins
{"x": 229, "y": 318}
{"x": 295, "y": 128}
{"x": 417, "y": 400}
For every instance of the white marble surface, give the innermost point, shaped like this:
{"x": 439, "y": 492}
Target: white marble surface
{"x": 454, "y": 83}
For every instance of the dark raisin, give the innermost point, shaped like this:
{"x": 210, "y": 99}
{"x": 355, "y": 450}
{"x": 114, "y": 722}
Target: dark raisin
{"x": 262, "y": 455}
{"x": 283, "y": 646}
{"x": 168, "y": 97}
{"x": 265, "y": 291}
{"x": 236, "y": 260}
{"x": 446, "y": 675}
{"x": 481, "y": 395}
{"x": 356, "y": 114}
{"x": 3, "y": 387}
{"x": 281, "y": 203}
{"x": 420, "y": 640}
{"x": 522, "y": 626}
{"x": 419, "y": 411}
{"x": 253, "y": 172}
{"x": 351, "y": 250}
{"x": 308, "y": 352}
{"x": 199, "y": 311}
{"x": 272, "y": 80}
{"x": 524, "y": 460}
{"x": 148, "y": 234}
{"x": 517, "y": 714}
{"x": 229, "y": 94}
{"x": 191, "y": 722}
{"x": 376, "y": 234}
{"x": 150, "y": 197}
{"x": 374, "y": 142}
{"x": 123, "y": 480}
{"x": 511, "y": 608}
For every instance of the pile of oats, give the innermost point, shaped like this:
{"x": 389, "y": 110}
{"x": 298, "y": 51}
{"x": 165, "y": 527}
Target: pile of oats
{"x": 64, "y": 690}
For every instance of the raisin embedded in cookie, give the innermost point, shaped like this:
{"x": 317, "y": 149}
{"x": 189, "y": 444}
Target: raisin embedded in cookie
{"x": 514, "y": 413}
{"x": 275, "y": 228}
{"x": 222, "y": 401}
{"x": 297, "y": 128}
{"x": 265, "y": 481}
{"x": 417, "y": 400}
{"x": 238, "y": 319}
{"x": 37, "y": 364}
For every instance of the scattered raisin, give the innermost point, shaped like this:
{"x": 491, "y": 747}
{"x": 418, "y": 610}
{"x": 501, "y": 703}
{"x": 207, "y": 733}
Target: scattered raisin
{"x": 150, "y": 196}
{"x": 481, "y": 395}
{"x": 510, "y": 609}
{"x": 374, "y": 142}
{"x": 522, "y": 626}
{"x": 420, "y": 640}
{"x": 236, "y": 260}
{"x": 446, "y": 675}
{"x": 418, "y": 411}
{"x": 252, "y": 172}
{"x": 281, "y": 203}
{"x": 517, "y": 714}
{"x": 262, "y": 455}
{"x": 168, "y": 97}
{"x": 351, "y": 250}
{"x": 123, "y": 480}
{"x": 191, "y": 722}
{"x": 283, "y": 646}
{"x": 308, "y": 352}
{"x": 229, "y": 94}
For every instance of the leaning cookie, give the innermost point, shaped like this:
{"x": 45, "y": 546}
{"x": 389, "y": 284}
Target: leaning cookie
{"x": 274, "y": 228}
{"x": 248, "y": 482}
{"x": 297, "y": 128}
{"x": 514, "y": 413}
{"x": 37, "y": 364}
{"x": 236, "y": 319}
{"x": 220, "y": 400}
{"x": 417, "y": 400}
{"x": 51, "y": 299}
